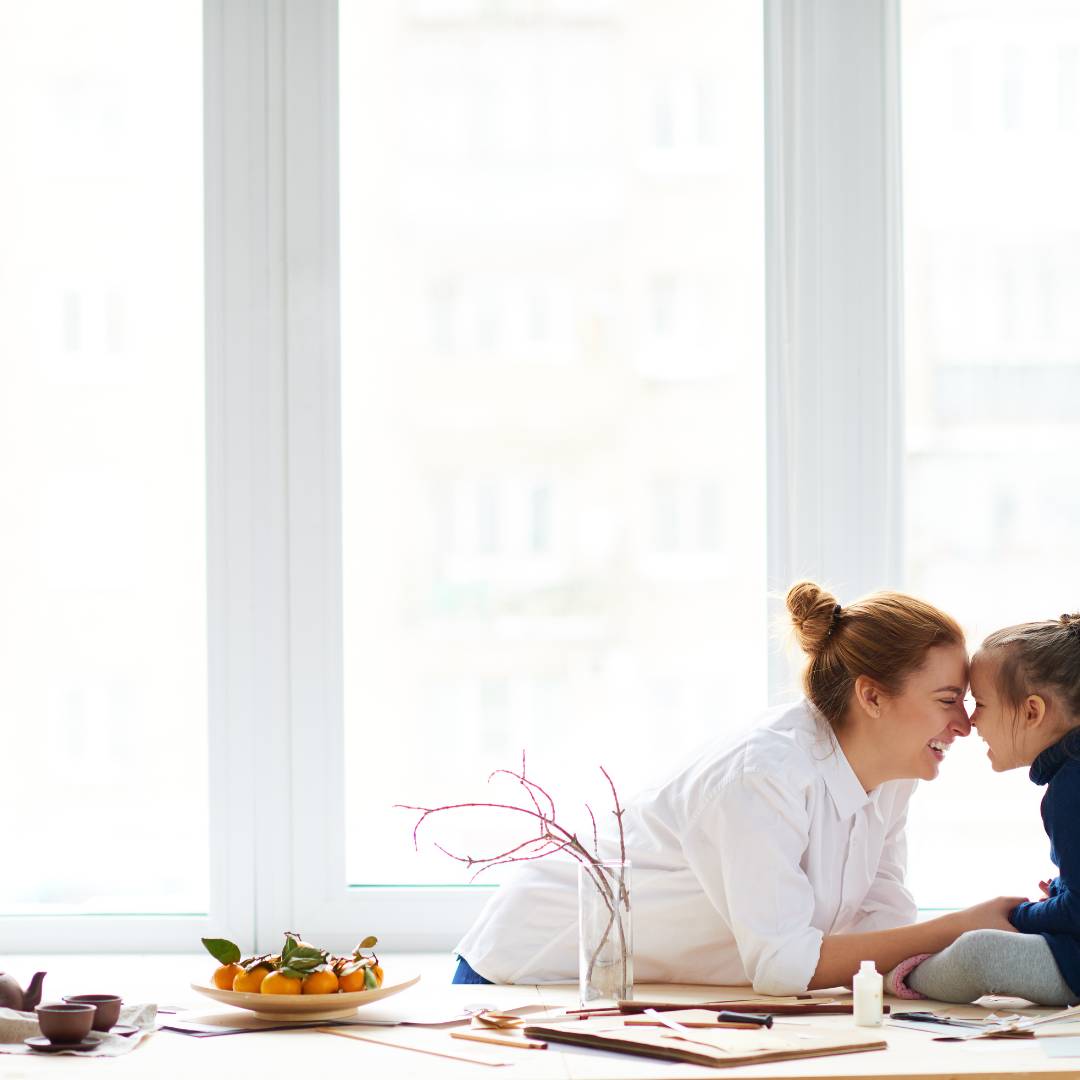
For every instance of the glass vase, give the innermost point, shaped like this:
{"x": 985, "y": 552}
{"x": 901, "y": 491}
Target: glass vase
{"x": 605, "y": 940}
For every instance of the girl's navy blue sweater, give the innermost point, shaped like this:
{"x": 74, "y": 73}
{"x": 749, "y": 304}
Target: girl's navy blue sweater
{"x": 1057, "y": 917}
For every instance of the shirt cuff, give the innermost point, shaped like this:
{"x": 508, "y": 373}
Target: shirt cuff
{"x": 788, "y": 967}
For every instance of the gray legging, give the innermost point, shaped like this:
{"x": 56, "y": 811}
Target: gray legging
{"x": 993, "y": 962}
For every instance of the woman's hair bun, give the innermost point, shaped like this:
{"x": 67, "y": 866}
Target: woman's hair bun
{"x": 812, "y": 612}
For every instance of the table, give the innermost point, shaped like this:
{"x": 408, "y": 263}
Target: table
{"x": 304, "y": 1054}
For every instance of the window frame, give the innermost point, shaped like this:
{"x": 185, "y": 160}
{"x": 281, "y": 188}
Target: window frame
{"x": 274, "y": 476}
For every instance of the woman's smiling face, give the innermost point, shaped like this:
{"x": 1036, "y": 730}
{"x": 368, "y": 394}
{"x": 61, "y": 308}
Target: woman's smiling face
{"x": 928, "y": 715}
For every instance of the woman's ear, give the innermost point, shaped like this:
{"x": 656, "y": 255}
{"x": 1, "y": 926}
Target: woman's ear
{"x": 1033, "y": 711}
{"x": 868, "y": 696}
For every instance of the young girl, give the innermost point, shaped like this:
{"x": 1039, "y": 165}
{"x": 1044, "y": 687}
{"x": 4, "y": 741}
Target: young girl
{"x": 1026, "y": 684}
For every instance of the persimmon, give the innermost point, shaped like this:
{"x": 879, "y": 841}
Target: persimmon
{"x": 320, "y": 982}
{"x": 277, "y": 982}
{"x": 224, "y": 976}
{"x": 250, "y": 982}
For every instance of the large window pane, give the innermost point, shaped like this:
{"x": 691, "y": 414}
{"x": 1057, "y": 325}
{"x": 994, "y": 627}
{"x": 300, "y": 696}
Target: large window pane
{"x": 553, "y": 397}
{"x": 992, "y": 166}
{"x": 102, "y": 563}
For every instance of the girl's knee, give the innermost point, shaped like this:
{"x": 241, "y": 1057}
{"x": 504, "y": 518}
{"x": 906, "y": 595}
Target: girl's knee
{"x": 985, "y": 939}
{"x": 974, "y": 952}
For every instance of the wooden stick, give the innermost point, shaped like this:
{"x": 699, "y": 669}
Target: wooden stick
{"x": 406, "y": 1046}
{"x": 693, "y": 1024}
{"x": 805, "y": 1008}
{"x": 494, "y": 1040}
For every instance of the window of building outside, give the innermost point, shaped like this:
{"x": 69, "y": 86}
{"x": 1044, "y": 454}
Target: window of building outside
{"x": 552, "y": 403}
{"x": 102, "y": 462}
{"x": 992, "y": 334}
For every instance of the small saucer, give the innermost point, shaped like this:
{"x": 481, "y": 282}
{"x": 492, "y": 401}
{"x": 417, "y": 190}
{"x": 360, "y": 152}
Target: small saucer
{"x": 44, "y": 1046}
{"x": 123, "y": 1029}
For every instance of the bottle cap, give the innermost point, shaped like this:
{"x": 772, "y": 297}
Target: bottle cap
{"x": 868, "y": 965}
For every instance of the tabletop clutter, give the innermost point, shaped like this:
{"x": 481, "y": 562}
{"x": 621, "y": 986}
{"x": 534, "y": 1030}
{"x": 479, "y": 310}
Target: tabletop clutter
{"x": 76, "y": 1023}
{"x": 718, "y": 1031}
{"x": 90, "y": 1025}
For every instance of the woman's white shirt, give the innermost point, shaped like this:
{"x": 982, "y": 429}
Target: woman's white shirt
{"x": 742, "y": 863}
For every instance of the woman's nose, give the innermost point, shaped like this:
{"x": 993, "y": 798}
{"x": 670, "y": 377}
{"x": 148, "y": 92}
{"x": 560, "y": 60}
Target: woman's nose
{"x": 961, "y": 725}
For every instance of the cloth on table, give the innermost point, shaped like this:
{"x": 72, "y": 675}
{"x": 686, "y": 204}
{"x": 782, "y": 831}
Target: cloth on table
{"x": 17, "y": 1026}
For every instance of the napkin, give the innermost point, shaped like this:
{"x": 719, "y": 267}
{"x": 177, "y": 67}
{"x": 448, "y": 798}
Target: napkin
{"x": 16, "y": 1026}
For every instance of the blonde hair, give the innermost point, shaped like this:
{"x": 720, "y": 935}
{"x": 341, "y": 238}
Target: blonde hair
{"x": 884, "y": 636}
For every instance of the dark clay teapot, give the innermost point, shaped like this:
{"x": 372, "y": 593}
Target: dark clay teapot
{"x": 13, "y": 997}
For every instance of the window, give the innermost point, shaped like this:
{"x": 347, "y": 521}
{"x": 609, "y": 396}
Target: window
{"x": 536, "y": 537}
{"x": 103, "y": 677}
{"x": 525, "y": 506}
{"x": 993, "y": 372}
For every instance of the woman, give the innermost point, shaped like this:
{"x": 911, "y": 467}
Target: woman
{"x": 778, "y": 858}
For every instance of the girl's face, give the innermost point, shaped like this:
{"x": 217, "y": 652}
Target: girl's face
{"x": 928, "y": 714}
{"x": 994, "y": 722}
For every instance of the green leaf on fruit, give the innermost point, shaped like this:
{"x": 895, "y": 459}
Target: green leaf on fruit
{"x": 222, "y": 950}
{"x": 303, "y": 963}
{"x": 368, "y": 943}
{"x": 292, "y": 943}
{"x": 370, "y": 982}
{"x": 306, "y": 952}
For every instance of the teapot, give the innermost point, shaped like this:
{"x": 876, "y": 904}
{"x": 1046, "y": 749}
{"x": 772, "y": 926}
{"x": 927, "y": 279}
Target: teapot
{"x": 13, "y": 997}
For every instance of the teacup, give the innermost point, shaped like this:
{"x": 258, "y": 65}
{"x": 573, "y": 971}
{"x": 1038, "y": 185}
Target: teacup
{"x": 107, "y": 1008}
{"x": 65, "y": 1023}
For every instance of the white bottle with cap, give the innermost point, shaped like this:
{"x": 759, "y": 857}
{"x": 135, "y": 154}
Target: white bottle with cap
{"x": 868, "y": 987}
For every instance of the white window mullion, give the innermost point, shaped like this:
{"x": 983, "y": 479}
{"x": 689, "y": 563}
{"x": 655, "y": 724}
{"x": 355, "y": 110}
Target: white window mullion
{"x": 314, "y": 419}
{"x": 246, "y": 432}
{"x": 322, "y": 905}
{"x": 833, "y": 297}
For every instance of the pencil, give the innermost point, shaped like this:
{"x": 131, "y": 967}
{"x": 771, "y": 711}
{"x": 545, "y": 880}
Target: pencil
{"x": 695, "y": 1024}
{"x": 494, "y": 1040}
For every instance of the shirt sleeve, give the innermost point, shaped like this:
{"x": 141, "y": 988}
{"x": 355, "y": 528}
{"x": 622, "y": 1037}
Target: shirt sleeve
{"x": 888, "y": 902}
{"x": 745, "y": 847}
{"x": 1060, "y": 912}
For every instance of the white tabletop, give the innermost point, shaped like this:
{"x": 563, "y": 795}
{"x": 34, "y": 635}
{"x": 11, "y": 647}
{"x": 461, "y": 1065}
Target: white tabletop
{"x": 165, "y": 980}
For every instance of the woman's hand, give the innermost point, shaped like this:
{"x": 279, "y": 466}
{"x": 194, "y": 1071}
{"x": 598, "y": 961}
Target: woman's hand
{"x": 991, "y": 914}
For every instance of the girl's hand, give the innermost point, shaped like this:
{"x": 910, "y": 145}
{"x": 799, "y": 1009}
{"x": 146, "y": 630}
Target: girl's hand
{"x": 991, "y": 914}
{"x": 1045, "y": 886}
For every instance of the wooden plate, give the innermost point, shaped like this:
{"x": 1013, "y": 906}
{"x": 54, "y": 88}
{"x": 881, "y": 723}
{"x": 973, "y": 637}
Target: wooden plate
{"x": 303, "y": 1006}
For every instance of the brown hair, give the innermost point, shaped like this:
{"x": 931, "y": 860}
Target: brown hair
{"x": 884, "y": 636}
{"x": 1039, "y": 658}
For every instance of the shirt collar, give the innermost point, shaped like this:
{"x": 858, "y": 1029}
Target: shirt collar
{"x": 1053, "y": 757}
{"x": 845, "y": 790}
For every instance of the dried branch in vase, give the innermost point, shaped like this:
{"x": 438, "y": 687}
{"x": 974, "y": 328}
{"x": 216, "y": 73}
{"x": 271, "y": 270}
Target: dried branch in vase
{"x": 551, "y": 838}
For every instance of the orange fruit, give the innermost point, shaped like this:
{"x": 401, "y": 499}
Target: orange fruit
{"x": 349, "y": 984}
{"x": 278, "y": 983}
{"x": 224, "y": 976}
{"x": 250, "y": 982}
{"x": 320, "y": 982}
{"x": 377, "y": 969}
